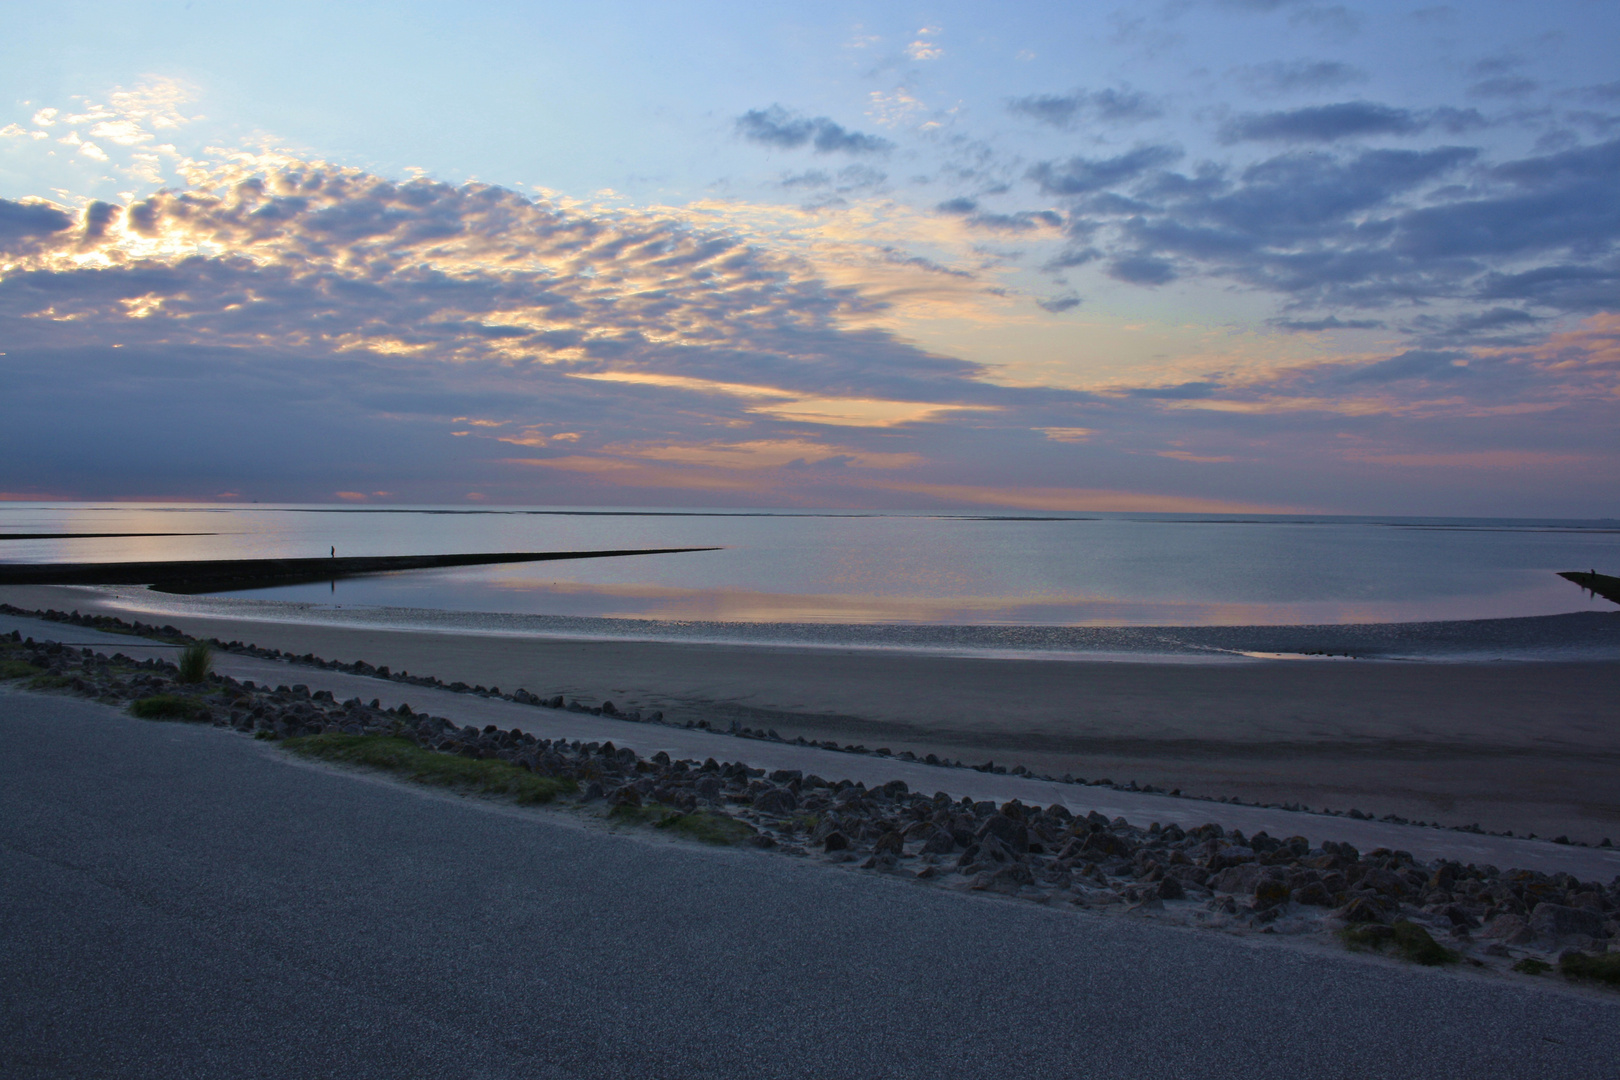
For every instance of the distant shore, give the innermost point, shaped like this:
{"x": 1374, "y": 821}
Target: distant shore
{"x": 1522, "y": 746}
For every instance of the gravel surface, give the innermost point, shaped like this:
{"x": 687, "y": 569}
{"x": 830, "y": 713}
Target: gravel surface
{"x": 178, "y": 901}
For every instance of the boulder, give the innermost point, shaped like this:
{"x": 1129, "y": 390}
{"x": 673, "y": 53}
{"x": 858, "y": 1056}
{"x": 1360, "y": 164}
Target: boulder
{"x": 890, "y": 842}
{"x": 1232, "y": 857}
{"x": 1005, "y": 879}
{"x": 1384, "y": 882}
{"x": 835, "y": 841}
{"x": 775, "y": 801}
{"x": 1509, "y": 930}
{"x": 1313, "y": 894}
{"x": 1269, "y": 892}
{"x": 1558, "y": 921}
{"x": 1236, "y": 879}
{"x": 1367, "y": 908}
{"x": 1013, "y": 833}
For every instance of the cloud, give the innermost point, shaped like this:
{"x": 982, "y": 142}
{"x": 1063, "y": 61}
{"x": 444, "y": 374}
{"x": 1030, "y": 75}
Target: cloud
{"x": 1545, "y": 204}
{"x": 1019, "y": 221}
{"x": 1066, "y": 110}
{"x": 1492, "y": 321}
{"x": 321, "y": 329}
{"x": 21, "y": 221}
{"x": 1080, "y": 175}
{"x": 1142, "y": 270}
{"x": 1184, "y": 392}
{"x": 1331, "y": 322}
{"x": 1511, "y": 86}
{"x": 1412, "y": 364}
{"x": 780, "y": 128}
{"x": 1345, "y": 120}
{"x": 1286, "y": 77}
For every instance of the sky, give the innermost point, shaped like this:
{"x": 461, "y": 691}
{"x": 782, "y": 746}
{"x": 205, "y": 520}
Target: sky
{"x": 1187, "y": 256}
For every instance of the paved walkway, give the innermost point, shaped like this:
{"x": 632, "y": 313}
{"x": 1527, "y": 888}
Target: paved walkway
{"x": 179, "y": 901}
{"x": 1588, "y": 864}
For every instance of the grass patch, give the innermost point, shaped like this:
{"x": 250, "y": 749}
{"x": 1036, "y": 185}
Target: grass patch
{"x": 1531, "y": 966}
{"x": 646, "y": 814}
{"x": 709, "y": 828}
{"x": 50, "y": 682}
{"x": 701, "y": 825}
{"x": 166, "y": 707}
{"x": 1603, "y": 969}
{"x": 1408, "y": 940}
{"x": 196, "y": 661}
{"x": 17, "y": 669}
{"x": 489, "y": 776}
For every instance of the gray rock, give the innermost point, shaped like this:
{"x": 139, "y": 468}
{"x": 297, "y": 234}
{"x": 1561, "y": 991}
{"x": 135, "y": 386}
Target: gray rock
{"x": 835, "y": 841}
{"x": 1236, "y": 879}
{"x": 775, "y": 801}
{"x": 1367, "y": 908}
{"x": 1557, "y": 921}
{"x": 1314, "y": 894}
{"x": 1509, "y": 929}
{"x": 941, "y": 843}
{"x": 1005, "y": 879}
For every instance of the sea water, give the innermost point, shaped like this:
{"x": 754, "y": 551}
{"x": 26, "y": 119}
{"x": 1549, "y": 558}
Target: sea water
{"x": 1019, "y": 583}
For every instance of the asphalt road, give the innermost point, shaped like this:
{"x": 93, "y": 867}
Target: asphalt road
{"x": 180, "y": 902}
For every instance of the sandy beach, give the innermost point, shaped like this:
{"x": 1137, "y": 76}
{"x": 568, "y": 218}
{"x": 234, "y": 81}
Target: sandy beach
{"x": 1530, "y": 747}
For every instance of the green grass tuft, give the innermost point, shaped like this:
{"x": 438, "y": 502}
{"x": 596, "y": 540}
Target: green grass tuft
{"x": 1603, "y": 969}
{"x": 17, "y": 669}
{"x": 50, "y": 682}
{"x": 1531, "y": 966}
{"x": 196, "y": 661}
{"x": 1408, "y": 940}
{"x": 166, "y": 707}
{"x": 709, "y": 828}
{"x": 488, "y": 776}
{"x": 645, "y": 814}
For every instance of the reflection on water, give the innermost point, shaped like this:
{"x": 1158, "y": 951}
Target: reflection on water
{"x": 782, "y": 567}
{"x": 520, "y": 595}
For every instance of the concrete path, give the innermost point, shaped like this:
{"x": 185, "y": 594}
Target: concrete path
{"x": 179, "y": 901}
{"x": 1589, "y": 864}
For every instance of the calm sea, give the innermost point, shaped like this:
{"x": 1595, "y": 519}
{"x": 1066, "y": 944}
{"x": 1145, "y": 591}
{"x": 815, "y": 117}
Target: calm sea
{"x": 1128, "y": 583}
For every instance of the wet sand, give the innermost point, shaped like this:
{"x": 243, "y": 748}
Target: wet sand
{"x": 1532, "y": 747}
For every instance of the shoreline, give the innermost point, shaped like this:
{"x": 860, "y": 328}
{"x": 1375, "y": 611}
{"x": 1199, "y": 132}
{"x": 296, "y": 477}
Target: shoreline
{"x": 1425, "y": 904}
{"x": 1522, "y": 747}
{"x": 1567, "y": 636}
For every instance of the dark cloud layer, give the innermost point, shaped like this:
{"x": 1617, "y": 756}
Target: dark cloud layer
{"x": 1082, "y": 175}
{"x": 297, "y": 329}
{"x": 1066, "y": 110}
{"x": 785, "y": 130}
{"x": 1356, "y": 228}
{"x": 1345, "y": 120}
{"x": 1280, "y": 77}
{"x": 23, "y": 221}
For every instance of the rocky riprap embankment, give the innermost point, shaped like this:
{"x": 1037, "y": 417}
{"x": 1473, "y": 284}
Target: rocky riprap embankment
{"x": 1205, "y": 876}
